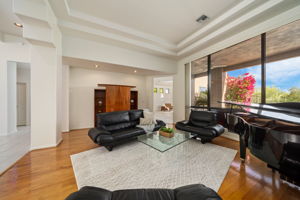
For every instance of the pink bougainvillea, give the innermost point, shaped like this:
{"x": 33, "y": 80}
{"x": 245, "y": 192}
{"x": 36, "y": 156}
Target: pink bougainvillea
{"x": 240, "y": 89}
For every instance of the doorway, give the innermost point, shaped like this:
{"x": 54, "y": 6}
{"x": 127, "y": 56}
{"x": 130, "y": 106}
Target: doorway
{"x": 21, "y": 104}
{"x": 163, "y": 98}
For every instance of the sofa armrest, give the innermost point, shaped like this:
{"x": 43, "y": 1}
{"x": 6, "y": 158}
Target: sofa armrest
{"x": 185, "y": 122}
{"x": 159, "y": 124}
{"x": 218, "y": 128}
{"x": 92, "y": 193}
{"x": 94, "y": 134}
{"x": 196, "y": 192}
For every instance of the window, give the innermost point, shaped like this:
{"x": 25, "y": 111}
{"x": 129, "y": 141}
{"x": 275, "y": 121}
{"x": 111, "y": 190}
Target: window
{"x": 199, "y": 82}
{"x": 283, "y": 64}
{"x": 235, "y": 73}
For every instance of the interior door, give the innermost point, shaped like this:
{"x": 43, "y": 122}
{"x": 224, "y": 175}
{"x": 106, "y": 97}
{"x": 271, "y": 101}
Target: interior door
{"x": 21, "y": 104}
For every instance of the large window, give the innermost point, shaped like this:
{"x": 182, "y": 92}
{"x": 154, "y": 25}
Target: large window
{"x": 283, "y": 64}
{"x": 235, "y": 73}
{"x": 263, "y": 69}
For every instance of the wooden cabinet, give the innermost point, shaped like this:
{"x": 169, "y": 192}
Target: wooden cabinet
{"x": 115, "y": 98}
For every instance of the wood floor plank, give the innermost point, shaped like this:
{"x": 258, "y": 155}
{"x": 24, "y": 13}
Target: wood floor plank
{"x": 48, "y": 174}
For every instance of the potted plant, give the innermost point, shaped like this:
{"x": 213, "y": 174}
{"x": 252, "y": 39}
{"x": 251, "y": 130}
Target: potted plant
{"x": 166, "y": 132}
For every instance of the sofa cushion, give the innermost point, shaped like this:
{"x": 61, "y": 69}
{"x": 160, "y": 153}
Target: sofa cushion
{"x": 127, "y": 133}
{"x": 112, "y": 118}
{"x": 135, "y": 115}
{"x": 119, "y": 126}
{"x": 143, "y": 194}
{"x": 206, "y": 132}
{"x": 202, "y": 118}
{"x": 197, "y": 191}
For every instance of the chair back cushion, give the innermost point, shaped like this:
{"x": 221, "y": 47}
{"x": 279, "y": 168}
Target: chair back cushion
{"x": 112, "y": 121}
{"x": 203, "y": 118}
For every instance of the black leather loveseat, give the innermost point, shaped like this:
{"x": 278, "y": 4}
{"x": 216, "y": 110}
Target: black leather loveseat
{"x": 113, "y": 128}
{"x": 202, "y": 124}
{"x": 190, "y": 192}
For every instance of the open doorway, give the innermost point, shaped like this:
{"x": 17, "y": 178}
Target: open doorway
{"x": 163, "y": 98}
{"x": 15, "y": 141}
{"x": 23, "y": 95}
{"x": 21, "y": 104}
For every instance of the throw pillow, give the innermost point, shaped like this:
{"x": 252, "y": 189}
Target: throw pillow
{"x": 146, "y": 121}
{"x": 149, "y": 115}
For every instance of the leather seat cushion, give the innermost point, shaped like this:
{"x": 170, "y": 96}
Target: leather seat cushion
{"x": 127, "y": 133}
{"x": 197, "y": 130}
{"x": 135, "y": 115}
{"x": 202, "y": 118}
{"x": 119, "y": 126}
{"x": 143, "y": 194}
{"x": 112, "y": 118}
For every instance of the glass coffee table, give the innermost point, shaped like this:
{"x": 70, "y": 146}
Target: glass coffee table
{"x": 161, "y": 143}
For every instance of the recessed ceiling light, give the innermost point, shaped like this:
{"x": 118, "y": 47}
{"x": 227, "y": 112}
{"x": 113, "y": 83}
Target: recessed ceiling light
{"x": 18, "y": 25}
{"x": 135, "y": 71}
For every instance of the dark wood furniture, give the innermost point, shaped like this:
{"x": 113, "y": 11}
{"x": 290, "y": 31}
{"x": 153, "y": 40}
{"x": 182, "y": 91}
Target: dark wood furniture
{"x": 114, "y": 98}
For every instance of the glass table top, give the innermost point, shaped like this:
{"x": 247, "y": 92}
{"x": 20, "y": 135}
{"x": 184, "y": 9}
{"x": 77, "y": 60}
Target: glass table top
{"x": 161, "y": 143}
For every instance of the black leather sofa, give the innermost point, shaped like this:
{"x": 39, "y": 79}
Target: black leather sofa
{"x": 203, "y": 124}
{"x": 113, "y": 128}
{"x": 190, "y": 192}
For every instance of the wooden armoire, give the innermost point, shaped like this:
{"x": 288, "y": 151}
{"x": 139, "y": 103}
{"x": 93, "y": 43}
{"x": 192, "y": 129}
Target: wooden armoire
{"x": 115, "y": 98}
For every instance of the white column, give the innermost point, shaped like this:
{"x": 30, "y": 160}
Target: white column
{"x": 11, "y": 97}
{"x": 43, "y": 97}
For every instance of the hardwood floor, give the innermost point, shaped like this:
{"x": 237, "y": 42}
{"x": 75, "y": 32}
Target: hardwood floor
{"x": 48, "y": 174}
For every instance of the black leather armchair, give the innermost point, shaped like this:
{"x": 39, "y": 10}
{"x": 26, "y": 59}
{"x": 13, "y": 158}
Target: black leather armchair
{"x": 202, "y": 124}
{"x": 190, "y": 192}
{"x": 113, "y": 128}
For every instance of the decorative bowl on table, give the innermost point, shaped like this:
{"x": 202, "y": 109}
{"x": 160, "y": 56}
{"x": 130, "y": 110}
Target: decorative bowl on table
{"x": 166, "y": 132}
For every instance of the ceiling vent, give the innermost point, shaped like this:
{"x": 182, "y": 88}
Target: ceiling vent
{"x": 201, "y": 18}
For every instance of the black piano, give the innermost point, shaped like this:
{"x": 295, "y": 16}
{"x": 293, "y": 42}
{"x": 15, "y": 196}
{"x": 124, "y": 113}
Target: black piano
{"x": 271, "y": 132}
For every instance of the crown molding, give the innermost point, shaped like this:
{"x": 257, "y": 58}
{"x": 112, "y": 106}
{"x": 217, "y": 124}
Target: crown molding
{"x": 157, "y": 44}
{"x": 116, "y": 37}
{"x": 215, "y": 22}
{"x": 114, "y": 26}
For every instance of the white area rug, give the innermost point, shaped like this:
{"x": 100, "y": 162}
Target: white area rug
{"x": 136, "y": 165}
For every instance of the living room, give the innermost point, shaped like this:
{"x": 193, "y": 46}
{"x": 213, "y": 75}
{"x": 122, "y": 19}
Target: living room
{"x": 149, "y": 99}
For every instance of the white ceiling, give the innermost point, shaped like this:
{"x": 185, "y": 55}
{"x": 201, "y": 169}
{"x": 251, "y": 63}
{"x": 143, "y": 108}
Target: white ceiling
{"x": 8, "y": 18}
{"x": 171, "y": 20}
{"x": 162, "y": 27}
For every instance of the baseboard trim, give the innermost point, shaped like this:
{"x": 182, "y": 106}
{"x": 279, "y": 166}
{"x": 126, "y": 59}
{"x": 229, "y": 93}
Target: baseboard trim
{"x": 8, "y": 168}
{"x": 30, "y": 150}
{"x": 46, "y": 146}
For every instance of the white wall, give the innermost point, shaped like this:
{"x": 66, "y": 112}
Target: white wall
{"x": 82, "y": 85}
{"x": 11, "y": 97}
{"x": 23, "y": 76}
{"x": 91, "y": 50}
{"x": 12, "y": 49}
